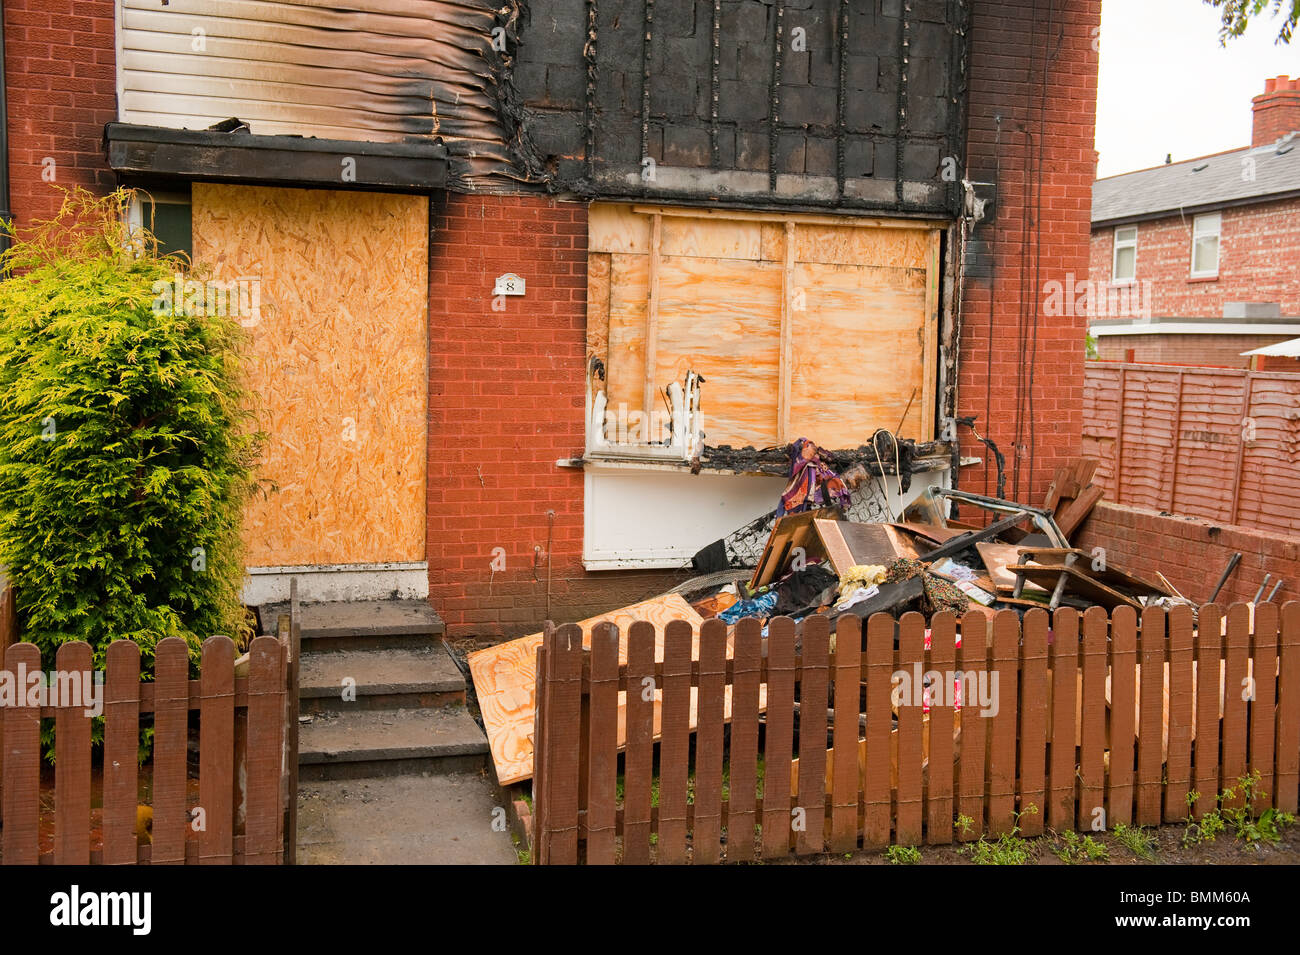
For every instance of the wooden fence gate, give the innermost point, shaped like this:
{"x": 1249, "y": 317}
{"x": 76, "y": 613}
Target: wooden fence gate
{"x": 1057, "y": 716}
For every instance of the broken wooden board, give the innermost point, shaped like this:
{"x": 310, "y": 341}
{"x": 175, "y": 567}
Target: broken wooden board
{"x": 505, "y": 679}
{"x": 931, "y": 532}
{"x": 1109, "y": 574}
{"x": 850, "y": 544}
{"x": 997, "y": 559}
{"x": 1077, "y": 582}
{"x": 1072, "y": 515}
{"x": 789, "y": 532}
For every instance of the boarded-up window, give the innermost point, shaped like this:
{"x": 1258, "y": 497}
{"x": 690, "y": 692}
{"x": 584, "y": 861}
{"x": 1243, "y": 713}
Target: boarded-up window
{"x": 805, "y": 326}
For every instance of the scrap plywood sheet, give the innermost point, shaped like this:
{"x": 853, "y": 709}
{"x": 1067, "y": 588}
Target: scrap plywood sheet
{"x": 505, "y": 678}
{"x": 800, "y": 326}
{"x": 338, "y": 358}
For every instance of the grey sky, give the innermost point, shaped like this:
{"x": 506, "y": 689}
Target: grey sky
{"x": 1166, "y": 86}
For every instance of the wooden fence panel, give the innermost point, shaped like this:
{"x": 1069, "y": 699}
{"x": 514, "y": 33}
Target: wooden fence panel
{"x": 1235, "y": 689}
{"x": 1209, "y": 649}
{"x": 1123, "y": 716}
{"x": 216, "y": 751}
{"x": 706, "y": 827}
{"x": 1002, "y": 747}
{"x": 1151, "y": 718}
{"x": 1182, "y": 688}
{"x": 72, "y": 758}
{"x": 741, "y": 817}
{"x": 1092, "y": 751}
{"x": 1059, "y": 812}
{"x": 911, "y": 716}
{"x": 974, "y": 728}
{"x": 22, "y": 784}
{"x": 602, "y": 747}
{"x": 813, "y": 701}
{"x": 675, "y": 742}
{"x": 779, "y": 744}
{"x": 170, "y": 731}
{"x": 121, "y": 745}
{"x": 943, "y": 660}
{"x": 1263, "y": 686}
{"x": 265, "y": 746}
{"x": 1287, "y": 780}
{"x": 877, "y": 770}
{"x": 845, "y": 771}
{"x": 638, "y": 758}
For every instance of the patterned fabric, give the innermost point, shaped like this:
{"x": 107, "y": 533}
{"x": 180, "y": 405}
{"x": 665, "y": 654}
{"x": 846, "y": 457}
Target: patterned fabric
{"x": 812, "y": 483}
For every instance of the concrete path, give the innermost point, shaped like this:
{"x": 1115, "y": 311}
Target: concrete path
{"x": 454, "y": 819}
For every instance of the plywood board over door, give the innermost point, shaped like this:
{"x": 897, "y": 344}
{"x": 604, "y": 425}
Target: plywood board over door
{"x": 338, "y": 360}
{"x": 801, "y": 325}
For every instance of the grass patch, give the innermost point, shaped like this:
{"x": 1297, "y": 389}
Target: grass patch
{"x": 1135, "y": 839}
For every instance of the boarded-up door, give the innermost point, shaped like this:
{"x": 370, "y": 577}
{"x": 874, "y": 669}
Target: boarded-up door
{"x": 800, "y": 325}
{"x": 338, "y": 359}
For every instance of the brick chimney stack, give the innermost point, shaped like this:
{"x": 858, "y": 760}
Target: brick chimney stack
{"x": 1276, "y": 110}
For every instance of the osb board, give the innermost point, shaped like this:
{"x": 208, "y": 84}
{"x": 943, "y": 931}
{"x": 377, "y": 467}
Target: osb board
{"x": 864, "y": 313}
{"x": 338, "y": 361}
{"x": 505, "y": 678}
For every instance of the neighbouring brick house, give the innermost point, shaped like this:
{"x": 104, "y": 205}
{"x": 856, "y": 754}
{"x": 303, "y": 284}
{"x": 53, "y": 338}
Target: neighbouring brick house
{"x": 1199, "y": 260}
{"x": 771, "y": 194}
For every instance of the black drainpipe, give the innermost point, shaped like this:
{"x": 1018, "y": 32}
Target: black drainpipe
{"x": 5, "y": 215}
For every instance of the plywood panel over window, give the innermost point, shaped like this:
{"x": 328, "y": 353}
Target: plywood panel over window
{"x": 800, "y": 325}
{"x": 338, "y": 359}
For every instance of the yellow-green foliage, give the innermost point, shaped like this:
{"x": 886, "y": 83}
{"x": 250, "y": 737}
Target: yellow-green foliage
{"x": 126, "y": 446}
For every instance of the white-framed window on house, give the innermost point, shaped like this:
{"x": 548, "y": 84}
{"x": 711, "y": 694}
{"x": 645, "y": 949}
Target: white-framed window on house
{"x": 1124, "y": 266}
{"x": 168, "y": 214}
{"x": 1205, "y": 245}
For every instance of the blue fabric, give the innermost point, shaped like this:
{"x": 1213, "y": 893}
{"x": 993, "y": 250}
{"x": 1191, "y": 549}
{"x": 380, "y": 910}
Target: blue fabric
{"x": 760, "y": 606}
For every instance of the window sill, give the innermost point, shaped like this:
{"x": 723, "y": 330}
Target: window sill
{"x": 1197, "y": 279}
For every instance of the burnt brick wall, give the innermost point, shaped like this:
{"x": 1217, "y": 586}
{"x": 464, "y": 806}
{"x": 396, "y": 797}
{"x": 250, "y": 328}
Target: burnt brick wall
{"x": 1034, "y": 65}
{"x": 61, "y": 87}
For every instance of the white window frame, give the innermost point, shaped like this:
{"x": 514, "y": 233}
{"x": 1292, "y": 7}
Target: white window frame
{"x": 1201, "y": 230}
{"x": 1128, "y": 243}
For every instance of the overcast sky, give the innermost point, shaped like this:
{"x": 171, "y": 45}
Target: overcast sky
{"x": 1166, "y": 86}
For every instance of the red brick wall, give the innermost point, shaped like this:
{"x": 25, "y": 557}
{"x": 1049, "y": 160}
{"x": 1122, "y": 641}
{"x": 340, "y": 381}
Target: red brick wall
{"x": 61, "y": 85}
{"x": 1031, "y": 247}
{"x": 1276, "y": 111}
{"x": 1221, "y": 350}
{"x": 1259, "y": 261}
{"x": 1192, "y": 552}
{"x": 505, "y": 402}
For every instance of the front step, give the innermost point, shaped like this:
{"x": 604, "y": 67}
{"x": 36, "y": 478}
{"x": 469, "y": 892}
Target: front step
{"x": 361, "y": 624}
{"x": 387, "y": 742}
{"x": 416, "y": 676}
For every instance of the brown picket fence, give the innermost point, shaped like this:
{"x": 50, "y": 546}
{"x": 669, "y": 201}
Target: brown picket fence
{"x": 1072, "y": 736}
{"x": 240, "y": 809}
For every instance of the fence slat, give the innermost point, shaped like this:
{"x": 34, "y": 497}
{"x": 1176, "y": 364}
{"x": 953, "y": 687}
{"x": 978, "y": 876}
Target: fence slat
{"x": 675, "y": 742}
{"x": 541, "y": 751}
{"x": 264, "y": 717}
{"x": 1151, "y": 717}
{"x": 216, "y": 750}
{"x": 706, "y": 828}
{"x": 1033, "y": 719}
{"x": 911, "y": 717}
{"x": 638, "y": 761}
{"x": 1123, "y": 716}
{"x": 974, "y": 728}
{"x": 747, "y": 666}
{"x": 810, "y": 837}
{"x": 845, "y": 772}
{"x": 1287, "y": 781}
{"x": 877, "y": 781}
{"x": 1263, "y": 652}
{"x": 74, "y": 662}
{"x": 1092, "y": 752}
{"x": 171, "y": 718}
{"x": 22, "y": 783}
{"x": 779, "y": 740}
{"x": 1178, "y": 770}
{"x": 121, "y": 746}
{"x": 943, "y": 660}
{"x": 1059, "y": 813}
{"x": 1001, "y": 699}
{"x": 1209, "y": 650}
{"x": 1237, "y": 648}
{"x": 564, "y": 696}
{"x": 602, "y": 743}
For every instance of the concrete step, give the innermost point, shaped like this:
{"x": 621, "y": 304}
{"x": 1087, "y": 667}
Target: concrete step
{"x": 361, "y": 624}
{"x": 381, "y": 679}
{"x": 388, "y": 742}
